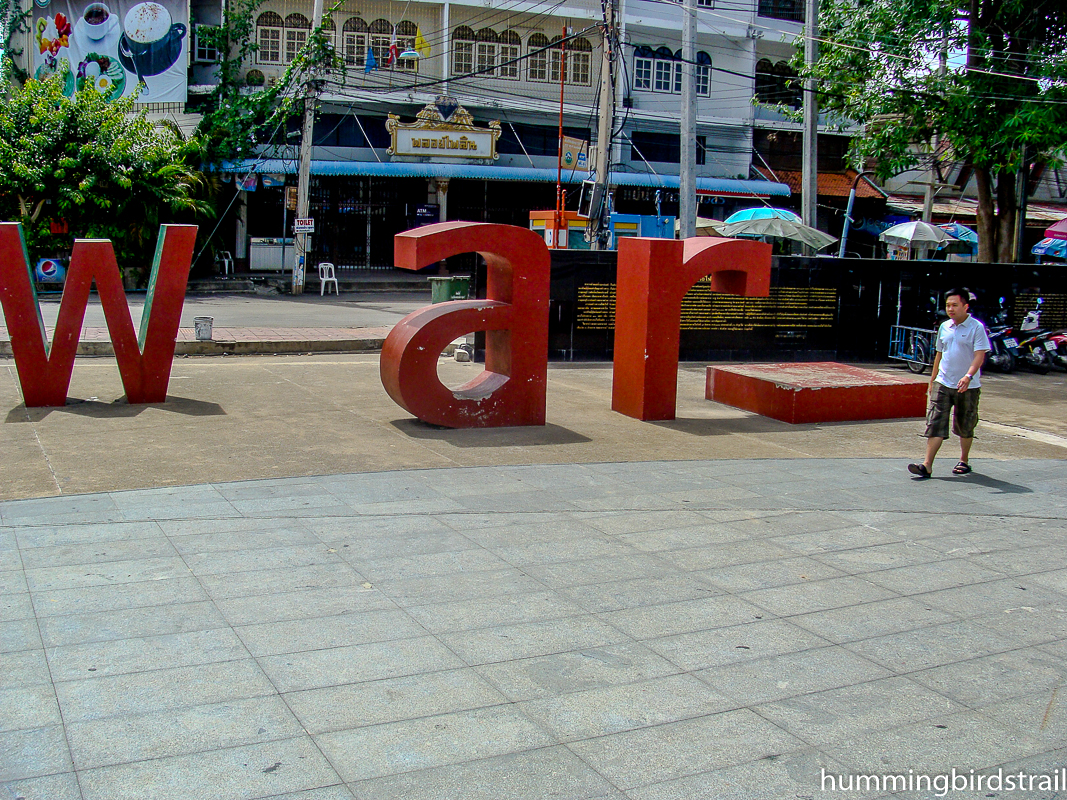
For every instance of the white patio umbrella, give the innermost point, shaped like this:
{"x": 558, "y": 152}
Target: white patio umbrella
{"x": 777, "y": 227}
{"x": 915, "y": 234}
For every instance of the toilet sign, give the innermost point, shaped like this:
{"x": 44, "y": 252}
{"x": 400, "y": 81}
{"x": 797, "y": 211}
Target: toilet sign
{"x": 304, "y": 225}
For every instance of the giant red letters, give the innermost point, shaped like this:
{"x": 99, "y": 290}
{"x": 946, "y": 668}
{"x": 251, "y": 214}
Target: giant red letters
{"x": 653, "y": 277}
{"x": 511, "y": 388}
{"x": 144, "y": 361}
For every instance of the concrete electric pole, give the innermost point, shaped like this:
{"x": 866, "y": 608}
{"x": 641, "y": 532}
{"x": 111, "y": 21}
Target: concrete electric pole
{"x": 598, "y": 233}
{"x": 810, "y": 162}
{"x": 303, "y": 193}
{"x": 687, "y": 168}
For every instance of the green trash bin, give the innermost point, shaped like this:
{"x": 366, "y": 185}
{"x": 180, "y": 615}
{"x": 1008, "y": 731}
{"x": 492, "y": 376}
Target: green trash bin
{"x": 451, "y": 287}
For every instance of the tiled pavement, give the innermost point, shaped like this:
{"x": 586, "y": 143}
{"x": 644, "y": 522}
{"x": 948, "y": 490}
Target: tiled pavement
{"x": 655, "y": 631}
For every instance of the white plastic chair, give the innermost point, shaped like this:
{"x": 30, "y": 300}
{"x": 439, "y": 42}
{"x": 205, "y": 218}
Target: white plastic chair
{"x": 326, "y": 275}
{"x": 224, "y": 260}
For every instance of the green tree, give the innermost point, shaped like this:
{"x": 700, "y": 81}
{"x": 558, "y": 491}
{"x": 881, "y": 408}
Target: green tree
{"x": 95, "y": 165}
{"x": 236, "y": 115}
{"x": 998, "y": 101}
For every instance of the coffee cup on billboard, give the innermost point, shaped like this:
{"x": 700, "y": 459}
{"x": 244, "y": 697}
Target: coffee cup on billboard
{"x": 98, "y": 20}
{"x": 150, "y": 42}
{"x": 145, "y": 24}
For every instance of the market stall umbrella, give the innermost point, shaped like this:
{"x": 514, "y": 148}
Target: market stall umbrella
{"x": 763, "y": 212}
{"x": 1057, "y": 230}
{"x": 704, "y": 226}
{"x": 1057, "y": 248}
{"x": 915, "y": 234}
{"x": 968, "y": 239}
{"x": 780, "y": 228}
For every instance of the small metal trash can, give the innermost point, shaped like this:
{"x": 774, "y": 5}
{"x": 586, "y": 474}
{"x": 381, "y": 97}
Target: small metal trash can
{"x": 449, "y": 287}
{"x": 202, "y": 328}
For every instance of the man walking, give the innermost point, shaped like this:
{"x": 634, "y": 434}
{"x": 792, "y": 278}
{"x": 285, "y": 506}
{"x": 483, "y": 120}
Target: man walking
{"x": 954, "y": 382}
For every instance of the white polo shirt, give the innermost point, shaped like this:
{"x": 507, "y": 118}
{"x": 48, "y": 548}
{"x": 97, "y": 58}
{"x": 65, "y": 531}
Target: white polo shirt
{"x": 957, "y": 345}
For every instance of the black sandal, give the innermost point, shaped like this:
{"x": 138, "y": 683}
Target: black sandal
{"x": 919, "y": 470}
{"x": 961, "y": 469}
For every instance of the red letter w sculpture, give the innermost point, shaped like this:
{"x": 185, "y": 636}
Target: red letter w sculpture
{"x": 511, "y": 388}
{"x": 144, "y": 361}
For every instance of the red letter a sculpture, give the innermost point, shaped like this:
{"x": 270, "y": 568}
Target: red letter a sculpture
{"x": 511, "y": 388}
{"x": 653, "y": 277}
{"x": 144, "y": 361}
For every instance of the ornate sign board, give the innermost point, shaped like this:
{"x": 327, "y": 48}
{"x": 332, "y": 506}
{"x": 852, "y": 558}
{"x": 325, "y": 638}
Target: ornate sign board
{"x": 434, "y": 136}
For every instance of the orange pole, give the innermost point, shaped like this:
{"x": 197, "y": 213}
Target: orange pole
{"x": 559, "y": 149}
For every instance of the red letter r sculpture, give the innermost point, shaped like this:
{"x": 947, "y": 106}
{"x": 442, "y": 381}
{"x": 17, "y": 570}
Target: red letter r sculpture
{"x": 653, "y": 277}
{"x": 511, "y": 388}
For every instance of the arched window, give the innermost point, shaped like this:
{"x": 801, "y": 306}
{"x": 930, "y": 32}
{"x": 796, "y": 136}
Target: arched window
{"x": 381, "y": 36}
{"x": 580, "y": 56}
{"x": 643, "y": 58}
{"x": 269, "y": 29}
{"x": 297, "y": 27}
{"x": 406, "y": 30}
{"x": 788, "y": 87}
{"x": 462, "y": 50}
{"x": 766, "y": 84}
{"x": 508, "y": 51}
{"x": 485, "y": 52}
{"x": 703, "y": 74}
{"x": 663, "y": 70}
{"x": 537, "y": 57}
{"x": 354, "y": 41}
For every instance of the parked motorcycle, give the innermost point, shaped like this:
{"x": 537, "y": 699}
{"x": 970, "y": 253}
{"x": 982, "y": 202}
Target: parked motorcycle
{"x": 1003, "y": 348}
{"x": 1032, "y": 342}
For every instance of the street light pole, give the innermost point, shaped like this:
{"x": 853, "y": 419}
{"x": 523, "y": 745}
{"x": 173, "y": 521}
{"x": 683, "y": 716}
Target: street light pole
{"x": 303, "y": 193}
{"x": 848, "y": 211}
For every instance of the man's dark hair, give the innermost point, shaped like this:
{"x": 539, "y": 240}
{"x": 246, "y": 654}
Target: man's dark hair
{"x": 963, "y": 294}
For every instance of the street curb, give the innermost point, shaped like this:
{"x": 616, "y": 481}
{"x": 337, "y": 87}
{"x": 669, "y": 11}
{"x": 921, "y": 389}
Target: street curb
{"x": 231, "y": 347}
{"x": 223, "y": 347}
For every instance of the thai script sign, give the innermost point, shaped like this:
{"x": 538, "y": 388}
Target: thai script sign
{"x": 432, "y": 136}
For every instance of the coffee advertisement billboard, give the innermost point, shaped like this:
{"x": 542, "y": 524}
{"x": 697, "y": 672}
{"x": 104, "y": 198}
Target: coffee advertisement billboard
{"x": 114, "y": 47}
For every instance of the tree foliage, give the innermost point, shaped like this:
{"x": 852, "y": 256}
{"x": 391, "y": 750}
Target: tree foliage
{"x": 237, "y": 116}
{"x": 95, "y": 167}
{"x": 997, "y": 101}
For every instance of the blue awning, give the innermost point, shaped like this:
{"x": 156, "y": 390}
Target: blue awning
{"x": 406, "y": 169}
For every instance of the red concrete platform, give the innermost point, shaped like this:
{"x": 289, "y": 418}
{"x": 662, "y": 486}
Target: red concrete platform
{"x": 818, "y": 392}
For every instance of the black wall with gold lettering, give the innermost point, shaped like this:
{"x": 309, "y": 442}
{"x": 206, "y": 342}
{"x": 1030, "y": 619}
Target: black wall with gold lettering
{"x": 818, "y": 308}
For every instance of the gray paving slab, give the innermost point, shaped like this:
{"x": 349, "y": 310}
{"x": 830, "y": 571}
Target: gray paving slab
{"x": 656, "y": 631}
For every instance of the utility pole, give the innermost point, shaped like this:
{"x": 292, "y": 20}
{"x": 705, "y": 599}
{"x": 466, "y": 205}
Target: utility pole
{"x": 935, "y": 144}
{"x": 687, "y": 168}
{"x": 810, "y": 163}
{"x": 1022, "y": 186}
{"x": 597, "y": 228}
{"x": 303, "y": 193}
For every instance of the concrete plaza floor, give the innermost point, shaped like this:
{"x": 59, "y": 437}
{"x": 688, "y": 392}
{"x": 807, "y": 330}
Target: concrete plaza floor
{"x": 276, "y": 585}
{"x": 670, "y": 629}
